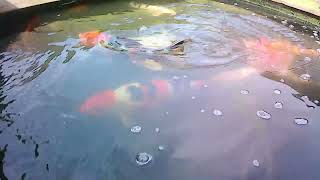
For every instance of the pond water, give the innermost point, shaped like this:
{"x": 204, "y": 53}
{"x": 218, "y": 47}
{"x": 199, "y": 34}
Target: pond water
{"x": 242, "y": 102}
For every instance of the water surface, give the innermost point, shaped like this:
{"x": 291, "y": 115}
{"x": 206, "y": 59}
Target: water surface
{"x": 218, "y": 120}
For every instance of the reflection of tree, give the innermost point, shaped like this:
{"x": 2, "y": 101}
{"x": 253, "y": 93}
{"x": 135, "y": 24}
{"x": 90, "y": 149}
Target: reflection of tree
{"x": 2, "y": 156}
{"x": 304, "y": 88}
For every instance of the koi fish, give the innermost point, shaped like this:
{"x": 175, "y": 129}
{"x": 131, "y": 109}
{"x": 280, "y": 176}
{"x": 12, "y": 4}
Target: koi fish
{"x": 274, "y": 55}
{"x": 92, "y": 38}
{"x": 33, "y": 23}
{"x": 125, "y": 99}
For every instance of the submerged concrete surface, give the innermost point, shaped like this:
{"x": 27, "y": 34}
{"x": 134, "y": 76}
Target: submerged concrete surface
{"x": 11, "y": 5}
{"x": 310, "y": 6}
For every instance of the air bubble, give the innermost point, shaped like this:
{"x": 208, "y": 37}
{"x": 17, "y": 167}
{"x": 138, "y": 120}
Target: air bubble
{"x": 263, "y": 114}
{"x": 143, "y": 158}
{"x": 217, "y": 112}
{"x": 307, "y": 59}
{"x": 305, "y": 77}
{"x": 244, "y": 92}
{"x": 301, "y": 121}
{"x": 255, "y": 163}
{"x": 136, "y": 129}
{"x": 278, "y": 105}
{"x": 277, "y": 91}
{"x": 161, "y": 148}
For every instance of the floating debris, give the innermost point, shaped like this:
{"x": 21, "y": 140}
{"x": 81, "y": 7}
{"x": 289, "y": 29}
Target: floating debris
{"x": 263, "y": 114}
{"x": 244, "y": 92}
{"x": 50, "y": 34}
{"x": 157, "y": 130}
{"x": 307, "y": 59}
{"x": 301, "y": 121}
{"x": 316, "y": 101}
{"x": 305, "y": 77}
{"x": 255, "y": 163}
{"x": 136, "y": 129}
{"x": 161, "y": 148}
{"x": 236, "y": 4}
{"x": 58, "y": 15}
{"x": 282, "y": 80}
{"x": 143, "y": 158}
{"x": 167, "y": 113}
{"x": 202, "y": 110}
{"x": 205, "y": 86}
{"x": 277, "y": 91}
{"x": 278, "y": 105}
{"x": 217, "y": 112}
{"x": 193, "y": 97}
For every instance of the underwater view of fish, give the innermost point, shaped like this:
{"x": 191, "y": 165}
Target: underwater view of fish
{"x": 274, "y": 54}
{"x": 129, "y": 97}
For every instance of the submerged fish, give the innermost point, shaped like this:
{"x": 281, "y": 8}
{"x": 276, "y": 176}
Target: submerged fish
{"x": 33, "y": 23}
{"x": 91, "y": 38}
{"x": 274, "y": 55}
{"x": 129, "y": 97}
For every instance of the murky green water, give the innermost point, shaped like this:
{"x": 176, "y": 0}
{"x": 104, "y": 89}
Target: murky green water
{"x": 231, "y": 107}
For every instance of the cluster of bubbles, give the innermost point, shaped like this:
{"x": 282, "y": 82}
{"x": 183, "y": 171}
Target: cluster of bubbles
{"x": 143, "y": 158}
